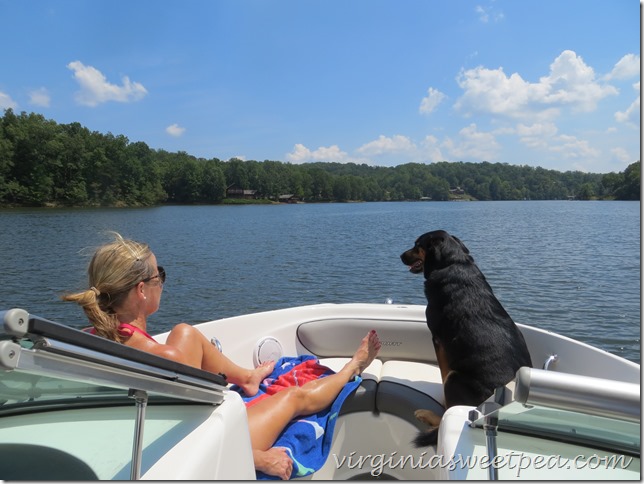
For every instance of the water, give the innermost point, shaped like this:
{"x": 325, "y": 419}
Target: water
{"x": 568, "y": 267}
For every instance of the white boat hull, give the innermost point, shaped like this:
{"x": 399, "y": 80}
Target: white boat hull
{"x": 378, "y": 442}
{"x": 197, "y": 436}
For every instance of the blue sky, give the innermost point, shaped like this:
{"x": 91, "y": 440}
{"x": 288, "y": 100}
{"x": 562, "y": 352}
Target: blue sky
{"x": 550, "y": 83}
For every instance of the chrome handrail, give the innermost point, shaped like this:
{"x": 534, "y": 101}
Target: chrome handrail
{"x": 141, "y": 401}
{"x": 578, "y": 393}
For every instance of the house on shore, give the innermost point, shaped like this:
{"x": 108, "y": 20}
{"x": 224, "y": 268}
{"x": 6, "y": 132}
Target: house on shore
{"x": 240, "y": 193}
{"x": 288, "y": 198}
{"x": 456, "y": 193}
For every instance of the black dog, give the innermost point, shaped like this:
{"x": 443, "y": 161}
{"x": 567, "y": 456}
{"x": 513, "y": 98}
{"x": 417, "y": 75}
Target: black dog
{"x": 477, "y": 344}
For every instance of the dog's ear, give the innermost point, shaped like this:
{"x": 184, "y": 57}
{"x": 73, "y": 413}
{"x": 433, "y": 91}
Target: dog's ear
{"x": 465, "y": 249}
{"x": 433, "y": 243}
{"x": 442, "y": 250}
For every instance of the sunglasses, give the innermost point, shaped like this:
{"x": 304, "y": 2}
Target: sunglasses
{"x": 160, "y": 275}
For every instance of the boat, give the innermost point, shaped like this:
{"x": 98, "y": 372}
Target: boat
{"x": 74, "y": 406}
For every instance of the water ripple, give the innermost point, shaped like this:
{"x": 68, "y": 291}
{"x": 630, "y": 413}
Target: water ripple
{"x": 568, "y": 267}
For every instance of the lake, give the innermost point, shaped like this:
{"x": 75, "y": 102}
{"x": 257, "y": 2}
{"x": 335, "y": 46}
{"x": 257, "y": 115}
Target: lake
{"x": 568, "y": 267}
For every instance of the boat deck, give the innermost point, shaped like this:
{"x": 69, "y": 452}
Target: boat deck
{"x": 76, "y": 404}
{"x": 78, "y": 407}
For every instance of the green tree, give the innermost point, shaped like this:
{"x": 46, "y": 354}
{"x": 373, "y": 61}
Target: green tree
{"x": 213, "y": 187}
{"x": 237, "y": 173}
{"x": 630, "y": 188}
{"x": 42, "y": 162}
{"x": 586, "y": 192}
{"x": 342, "y": 188}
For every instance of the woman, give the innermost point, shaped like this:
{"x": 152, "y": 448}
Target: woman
{"x": 125, "y": 288}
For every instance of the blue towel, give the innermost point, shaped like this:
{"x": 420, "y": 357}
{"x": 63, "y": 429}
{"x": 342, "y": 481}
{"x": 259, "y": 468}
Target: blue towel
{"x": 307, "y": 439}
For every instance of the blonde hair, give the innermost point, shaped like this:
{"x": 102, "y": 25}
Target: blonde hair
{"x": 114, "y": 270}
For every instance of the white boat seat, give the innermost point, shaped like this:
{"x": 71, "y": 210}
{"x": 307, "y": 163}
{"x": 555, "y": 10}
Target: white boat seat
{"x": 419, "y": 376}
{"x": 406, "y": 386}
{"x": 402, "y": 340}
{"x": 28, "y": 462}
{"x": 384, "y": 390}
{"x": 372, "y": 372}
{"x": 364, "y": 398}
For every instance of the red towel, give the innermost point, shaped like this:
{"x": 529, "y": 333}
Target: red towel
{"x": 300, "y": 374}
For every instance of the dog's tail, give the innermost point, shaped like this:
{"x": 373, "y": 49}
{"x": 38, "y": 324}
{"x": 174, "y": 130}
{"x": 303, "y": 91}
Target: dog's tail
{"x": 426, "y": 438}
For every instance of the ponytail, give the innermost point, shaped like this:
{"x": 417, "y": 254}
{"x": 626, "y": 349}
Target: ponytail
{"x": 114, "y": 270}
{"x": 105, "y": 323}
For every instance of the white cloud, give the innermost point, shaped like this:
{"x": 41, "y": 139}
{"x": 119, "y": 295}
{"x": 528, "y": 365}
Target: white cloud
{"x": 430, "y": 149}
{"x": 537, "y": 135}
{"x": 545, "y": 137}
{"x": 431, "y": 101}
{"x": 301, "y": 154}
{"x": 570, "y": 83}
{"x": 40, "y": 97}
{"x": 175, "y": 130}
{"x": 626, "y": 68}
{"x": 571, "y": 147}
{"x": 483, "y": 15}
{"x": 632, "y": 113}
{"x": 621, "y": 155}
{"x": 386, "y": 145}
{"x": 6, "y": 102}
{"x": 95, "y": 89}
{"x": 472, "y": 145}
{"x": 486, "y": 13}
{"x": 386, "y": 150}
{"x": 491, "y": 91}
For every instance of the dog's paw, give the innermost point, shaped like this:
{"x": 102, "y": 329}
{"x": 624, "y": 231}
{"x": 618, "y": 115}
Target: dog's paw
{"x": 427, "y": 417}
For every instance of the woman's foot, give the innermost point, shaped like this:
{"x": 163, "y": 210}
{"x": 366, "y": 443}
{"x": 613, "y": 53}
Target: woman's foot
{"x": 365, "y": 354}
{"x": 256, "y": 376}
{"x": 274, "y": 462}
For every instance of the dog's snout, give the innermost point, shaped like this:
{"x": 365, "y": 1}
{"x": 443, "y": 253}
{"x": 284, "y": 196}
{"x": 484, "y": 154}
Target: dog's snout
{"x": 406, "y": 257}
{"x": 414, "y": 259}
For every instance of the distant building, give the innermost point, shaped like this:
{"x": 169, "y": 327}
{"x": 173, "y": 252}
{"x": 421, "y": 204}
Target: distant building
{"x": 234, "y": 192}
{"x": 288, "y": 198}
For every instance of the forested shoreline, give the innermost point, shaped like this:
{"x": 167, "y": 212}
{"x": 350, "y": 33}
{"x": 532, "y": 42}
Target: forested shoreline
{"x": 44, "y": 163}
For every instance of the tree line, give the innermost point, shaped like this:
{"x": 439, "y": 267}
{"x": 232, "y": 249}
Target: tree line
{"x": 44, "y": 163}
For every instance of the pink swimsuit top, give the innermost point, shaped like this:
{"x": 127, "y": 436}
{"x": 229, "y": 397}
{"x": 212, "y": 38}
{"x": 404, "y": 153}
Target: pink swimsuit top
{"x": 126, "y": 330}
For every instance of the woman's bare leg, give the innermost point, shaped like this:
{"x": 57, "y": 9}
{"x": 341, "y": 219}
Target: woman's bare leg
{"x": 267, "y": 418}
{"x": 199, "y": 352}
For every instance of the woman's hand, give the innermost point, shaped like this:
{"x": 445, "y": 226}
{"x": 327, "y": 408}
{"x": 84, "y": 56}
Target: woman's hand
{"x": 274, "y": 462}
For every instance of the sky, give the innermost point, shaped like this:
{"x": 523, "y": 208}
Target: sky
{"x": 549, "y": 83}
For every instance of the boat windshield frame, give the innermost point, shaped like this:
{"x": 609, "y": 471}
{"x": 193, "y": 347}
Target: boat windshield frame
{"x": 594, "y": 431}
{"x": 44, "y": 363}
{"x": 583, "y": 410}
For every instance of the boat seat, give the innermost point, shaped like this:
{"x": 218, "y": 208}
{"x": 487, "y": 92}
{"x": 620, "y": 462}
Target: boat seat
{"x": 419, "y": 376}
{"x": 28, "y": 462}
{"x": 406, "y": 386}
{"x": 364, "y": 398}
{"x": 384, "y": 390}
